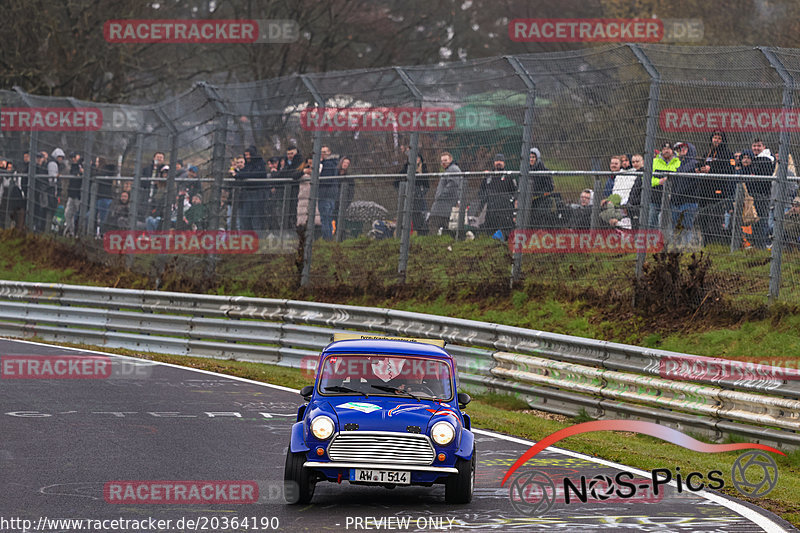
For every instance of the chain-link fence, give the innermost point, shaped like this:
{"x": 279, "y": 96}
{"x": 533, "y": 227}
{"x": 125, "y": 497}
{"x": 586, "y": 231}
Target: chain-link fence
{"x": 499, "y": 155}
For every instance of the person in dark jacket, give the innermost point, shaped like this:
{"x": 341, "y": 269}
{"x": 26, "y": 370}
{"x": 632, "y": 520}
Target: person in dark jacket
{"x": 328, "y": 191}
{"x": 291, "y": 168}
{"x": 119, "y": 214}
{"x": 683, "y": 200}
{"x": 718, "y": 159}
{"x": 543, "y": 207}
{"x": 251, "y": 192}
{"x": 763, "y": 164}
{"x": 581, "y": 216}
{"x": 497, "y": 194}
{"x": 448, "y": 192}
{"x": 105, "y": 190}
{"x": 73, "y": 193}
{"x": 716, "y": 194}
{"x": 347, "y": 188}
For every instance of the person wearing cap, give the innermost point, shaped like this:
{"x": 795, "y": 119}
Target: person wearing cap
{"x": 193, "y": 181}
{"x": 543, "y": 208}
{"x": 46, "y": 190}
{"x": 496, "y": 196}
{"x": 665, "y": 161}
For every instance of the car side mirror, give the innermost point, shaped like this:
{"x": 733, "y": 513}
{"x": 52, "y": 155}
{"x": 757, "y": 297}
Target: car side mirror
{"x": 463, "y": 399}
{"x": 307, "y": 391}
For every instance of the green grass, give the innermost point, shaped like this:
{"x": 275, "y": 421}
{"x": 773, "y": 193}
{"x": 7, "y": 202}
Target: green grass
{"x": 509, "y": 415}
{"x": 447, "y": 290}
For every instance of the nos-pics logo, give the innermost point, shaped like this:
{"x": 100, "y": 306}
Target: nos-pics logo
{"x": 533, "y": 492}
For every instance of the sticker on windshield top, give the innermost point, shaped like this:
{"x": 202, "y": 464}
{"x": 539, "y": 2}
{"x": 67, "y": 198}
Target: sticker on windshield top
{"x": 360, "y": 406}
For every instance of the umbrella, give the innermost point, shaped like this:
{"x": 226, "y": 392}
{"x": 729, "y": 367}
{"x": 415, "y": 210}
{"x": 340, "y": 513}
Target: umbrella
{"x": 365, "y": 211}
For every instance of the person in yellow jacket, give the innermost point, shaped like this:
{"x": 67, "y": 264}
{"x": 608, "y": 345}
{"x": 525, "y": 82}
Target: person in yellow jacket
{"x": 665, "y": 161}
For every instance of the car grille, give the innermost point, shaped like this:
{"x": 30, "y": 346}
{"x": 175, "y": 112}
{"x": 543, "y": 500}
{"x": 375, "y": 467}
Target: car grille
{"x": 381, "y": 447}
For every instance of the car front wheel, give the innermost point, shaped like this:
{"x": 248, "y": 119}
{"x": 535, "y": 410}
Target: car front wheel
{"x": 459, "y": 487}
{"x": 298, "y": 482}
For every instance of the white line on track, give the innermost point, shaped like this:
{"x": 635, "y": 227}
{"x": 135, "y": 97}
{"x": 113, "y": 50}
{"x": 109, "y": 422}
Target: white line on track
{"x": 764, "y": 522}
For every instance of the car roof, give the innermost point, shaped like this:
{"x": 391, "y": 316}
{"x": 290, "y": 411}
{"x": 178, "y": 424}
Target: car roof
{"x": 380, "y": 346}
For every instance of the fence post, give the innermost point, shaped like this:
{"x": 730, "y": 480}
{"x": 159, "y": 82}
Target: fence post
{"x": 83, "y": 208}
{"x": 596, "y": 199}
{"x": 312, "y": 197}
{"x": 649, "y": 145}
{"x": 339, "y": 213}
{"x": 411, "y": 177}
{"x": 665, "y": 224}
{"x": 524, "y": 196}
{"x": 783, "y": 151}
{"x": 30, "y": 203}
{"x": 137, "y": 180}
{"x": 736, "y": 227}
{"x": 217, "y": 154}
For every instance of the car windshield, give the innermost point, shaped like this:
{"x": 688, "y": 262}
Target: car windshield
{"x": 382, "y": 375}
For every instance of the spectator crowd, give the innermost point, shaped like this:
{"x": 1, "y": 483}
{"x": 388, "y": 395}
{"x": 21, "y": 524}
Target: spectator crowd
{"x": 273, "y": 194}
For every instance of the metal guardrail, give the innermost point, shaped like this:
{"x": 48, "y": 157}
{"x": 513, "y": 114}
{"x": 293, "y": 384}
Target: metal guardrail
{"x": 552, "y": 372}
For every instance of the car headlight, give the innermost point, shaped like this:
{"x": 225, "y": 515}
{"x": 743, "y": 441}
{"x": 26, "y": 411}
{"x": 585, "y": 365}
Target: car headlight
{"x": 322, "y": 427}
{"x": 443, "y": 433}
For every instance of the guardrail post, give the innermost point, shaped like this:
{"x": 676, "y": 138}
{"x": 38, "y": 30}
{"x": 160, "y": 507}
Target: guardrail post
{"x": 82, "y": 228}
{"x": 649, "y": 145}
{"x": 411, "y": 176}
{"x": 312, "y": 199}
{"x": 524, "y": 196}
{"x": 781, "y": 184}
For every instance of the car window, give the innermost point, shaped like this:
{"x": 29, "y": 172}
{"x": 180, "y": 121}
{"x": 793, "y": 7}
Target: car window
{"x": 376, "y": 374}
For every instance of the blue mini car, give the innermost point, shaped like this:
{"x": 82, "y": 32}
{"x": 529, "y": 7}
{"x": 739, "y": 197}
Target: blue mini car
{"x": 382, "y": 412}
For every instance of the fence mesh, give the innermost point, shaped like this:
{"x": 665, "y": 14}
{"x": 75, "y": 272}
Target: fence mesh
{"x": 240, "y": 157}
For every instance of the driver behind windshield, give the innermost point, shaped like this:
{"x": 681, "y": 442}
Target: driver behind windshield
{"x": 386, "y": 375}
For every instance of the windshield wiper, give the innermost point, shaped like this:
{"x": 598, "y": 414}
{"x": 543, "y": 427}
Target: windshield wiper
{"x": 395, "y": 390}
{"x": 338, "y": 388}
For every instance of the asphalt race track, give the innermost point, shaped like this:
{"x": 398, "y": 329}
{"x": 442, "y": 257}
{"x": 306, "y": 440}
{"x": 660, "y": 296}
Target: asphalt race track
{"x": 63, "y": 440}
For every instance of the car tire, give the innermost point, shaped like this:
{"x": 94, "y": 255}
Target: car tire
{"x": 298, "y": 482}
{"x": 459, "y": 487}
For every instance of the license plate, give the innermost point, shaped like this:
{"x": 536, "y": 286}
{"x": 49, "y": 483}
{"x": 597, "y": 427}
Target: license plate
{"x": 381, "y": 476}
